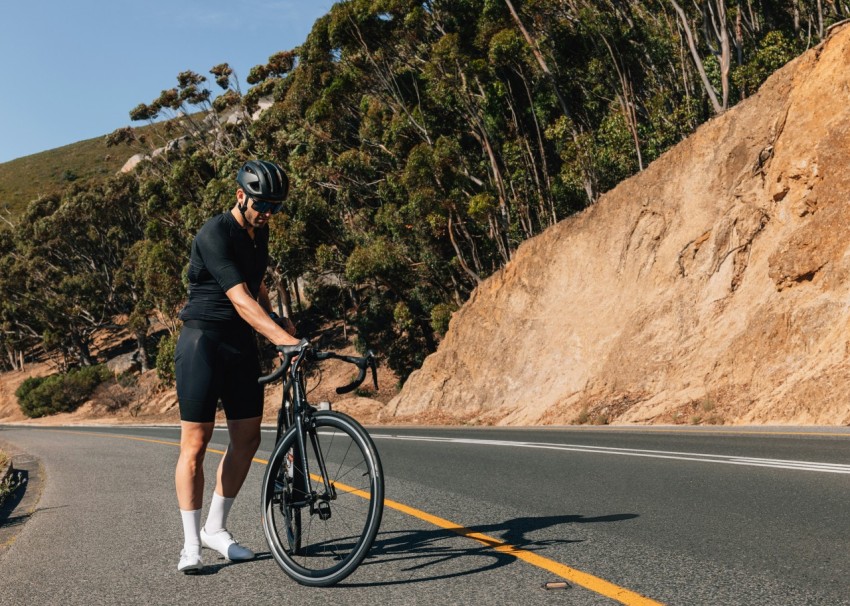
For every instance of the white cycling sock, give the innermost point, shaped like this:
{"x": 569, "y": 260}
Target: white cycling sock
{"x": 191, "y": 529}
{"x": 217, "y": 517}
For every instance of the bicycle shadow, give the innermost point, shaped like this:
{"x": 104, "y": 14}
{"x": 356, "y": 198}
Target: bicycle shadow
{"x": 420, "y": 550}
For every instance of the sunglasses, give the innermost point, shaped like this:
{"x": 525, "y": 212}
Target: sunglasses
{"x": 262, "y": 206}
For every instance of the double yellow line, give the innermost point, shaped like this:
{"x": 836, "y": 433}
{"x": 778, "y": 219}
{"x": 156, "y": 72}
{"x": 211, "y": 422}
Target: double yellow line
{"x": 588, "y": 581}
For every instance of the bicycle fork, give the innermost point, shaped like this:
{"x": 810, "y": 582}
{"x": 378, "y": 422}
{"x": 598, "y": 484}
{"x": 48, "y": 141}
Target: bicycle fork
{"x": 319, "y": 503}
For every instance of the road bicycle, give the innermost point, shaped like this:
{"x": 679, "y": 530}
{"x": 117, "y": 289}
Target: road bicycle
{"x": 323, "y": 489}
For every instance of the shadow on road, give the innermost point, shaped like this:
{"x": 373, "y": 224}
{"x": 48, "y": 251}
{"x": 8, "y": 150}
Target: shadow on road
{"x": 431, "y": 550}
{"x": 213, "y": 568}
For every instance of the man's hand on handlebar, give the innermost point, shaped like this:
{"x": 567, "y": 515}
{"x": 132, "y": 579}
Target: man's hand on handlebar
{"x": 290, "y": 351}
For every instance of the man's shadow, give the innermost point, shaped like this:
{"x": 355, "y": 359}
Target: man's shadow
{"x": 420, "y": 550}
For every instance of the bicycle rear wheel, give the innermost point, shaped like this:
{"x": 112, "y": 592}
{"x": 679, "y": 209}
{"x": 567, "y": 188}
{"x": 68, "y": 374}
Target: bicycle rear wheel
{"x": 338, "y": 521}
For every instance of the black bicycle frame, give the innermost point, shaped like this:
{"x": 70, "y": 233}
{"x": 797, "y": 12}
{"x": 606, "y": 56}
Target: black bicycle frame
{"x": 302, "y": 415}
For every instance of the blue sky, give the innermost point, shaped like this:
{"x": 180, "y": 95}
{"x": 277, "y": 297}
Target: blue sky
{"x": 73, "y": 69}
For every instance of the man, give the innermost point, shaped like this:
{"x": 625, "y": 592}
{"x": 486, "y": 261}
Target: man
{"x": 216, "y": 356}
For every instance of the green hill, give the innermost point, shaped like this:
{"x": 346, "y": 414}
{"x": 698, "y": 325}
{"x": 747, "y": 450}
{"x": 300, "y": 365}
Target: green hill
{"x": 25, "y": 179}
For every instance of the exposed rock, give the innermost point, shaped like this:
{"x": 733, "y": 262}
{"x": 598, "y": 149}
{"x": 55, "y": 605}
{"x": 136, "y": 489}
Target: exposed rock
{"x": 713, "y": 285}
{"x": 125, "y": 363}
{"x": 132, "y": 163}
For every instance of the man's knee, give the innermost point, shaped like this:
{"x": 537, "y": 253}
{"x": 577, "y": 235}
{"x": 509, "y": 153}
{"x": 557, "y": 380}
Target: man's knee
{"x": 244, "y": 436}
{"x": 245, "y": 444}
{"x": 193, "y": 442}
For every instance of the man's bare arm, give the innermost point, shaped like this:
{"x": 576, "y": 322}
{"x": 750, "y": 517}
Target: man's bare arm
{"x": 253, "y": 313}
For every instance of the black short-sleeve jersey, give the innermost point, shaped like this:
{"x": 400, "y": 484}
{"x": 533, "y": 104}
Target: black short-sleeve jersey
{"x": 223, "y": 255}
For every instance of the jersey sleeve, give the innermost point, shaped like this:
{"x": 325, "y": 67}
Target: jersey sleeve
{"x": 218, "y": 256}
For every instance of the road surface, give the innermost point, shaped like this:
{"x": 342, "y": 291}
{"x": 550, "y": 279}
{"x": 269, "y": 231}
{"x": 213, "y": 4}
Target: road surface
{"x": 623, "y": 515}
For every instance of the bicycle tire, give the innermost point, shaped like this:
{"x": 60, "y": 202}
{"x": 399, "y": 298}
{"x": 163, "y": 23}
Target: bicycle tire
{"x": 291, "y": 514}
{"x": 330, "y": 548}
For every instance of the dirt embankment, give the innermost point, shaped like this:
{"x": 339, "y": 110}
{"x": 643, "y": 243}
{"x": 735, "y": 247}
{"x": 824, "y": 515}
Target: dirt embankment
{"x": 712, "y": 287}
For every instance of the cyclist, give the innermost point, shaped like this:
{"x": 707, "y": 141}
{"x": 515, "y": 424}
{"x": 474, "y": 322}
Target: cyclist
{"x": 216, "y": 356}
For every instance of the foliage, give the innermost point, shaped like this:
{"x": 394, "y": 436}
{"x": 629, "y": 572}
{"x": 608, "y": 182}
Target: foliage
{"x": 774, "y": 51}
{"x": 165, "y": 359}
{"x": 441, "y": 314}
{"x": 41, "y": 396}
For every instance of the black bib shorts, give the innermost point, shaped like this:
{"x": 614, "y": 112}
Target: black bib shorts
{"x": 213, "y": 364}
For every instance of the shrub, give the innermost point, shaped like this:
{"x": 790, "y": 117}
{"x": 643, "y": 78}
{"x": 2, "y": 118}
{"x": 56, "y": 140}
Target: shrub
{"x": 165, "y": 359}
{"x": 441, "y": 314}
{"x": 41, "y": 396}
{"x": 117, "y": 393}
{"x": 28, "y": 386}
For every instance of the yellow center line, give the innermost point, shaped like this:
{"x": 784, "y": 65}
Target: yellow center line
{"x": 586, "y": 580}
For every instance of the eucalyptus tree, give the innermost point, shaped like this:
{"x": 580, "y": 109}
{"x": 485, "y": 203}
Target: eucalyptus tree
{"x": 68, "y": 253}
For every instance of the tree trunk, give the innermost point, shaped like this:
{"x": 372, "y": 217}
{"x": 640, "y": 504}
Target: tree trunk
{"x": 626, "y": 101}
{"x": 83, "y": 352}
{"x": 725, "y": 50}
{"x": 476, "y": 278}
{"x": 142, "y": 351}
{"x": 298, "y": 303}
{"x": 541, "y": 61}
{"x": 683, "y": 20}
{"x": 284, "y": 298}
{"x": 539, "y": 56}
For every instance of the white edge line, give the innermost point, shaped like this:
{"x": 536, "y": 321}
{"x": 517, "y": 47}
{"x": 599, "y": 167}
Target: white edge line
{"x": 655, "y": 454}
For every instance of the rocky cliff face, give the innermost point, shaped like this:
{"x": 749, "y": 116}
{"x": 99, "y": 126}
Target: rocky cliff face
{"x": 712, "y": 287}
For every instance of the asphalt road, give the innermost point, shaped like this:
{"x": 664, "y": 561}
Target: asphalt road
{"x": 687, "y": 517}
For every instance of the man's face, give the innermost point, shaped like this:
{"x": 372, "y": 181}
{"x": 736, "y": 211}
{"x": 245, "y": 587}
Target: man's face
{"x": 256, "y": 217}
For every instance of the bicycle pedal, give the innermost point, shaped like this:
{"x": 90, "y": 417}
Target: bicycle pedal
{"x": 323, "y": 508}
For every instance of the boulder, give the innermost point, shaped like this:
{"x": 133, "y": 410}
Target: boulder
{"x": 124, "y": 363}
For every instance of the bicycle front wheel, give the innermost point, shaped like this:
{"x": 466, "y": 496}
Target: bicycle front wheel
{"x": 338, "y": 513}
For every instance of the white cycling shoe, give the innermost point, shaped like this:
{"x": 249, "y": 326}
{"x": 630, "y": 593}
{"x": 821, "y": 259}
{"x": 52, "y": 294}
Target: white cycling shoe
{"x": 190, "y": 561}
{"x": 224, "y": 543}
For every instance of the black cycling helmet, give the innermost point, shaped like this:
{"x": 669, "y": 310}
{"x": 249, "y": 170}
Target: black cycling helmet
{"x": 263, "y": 180}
